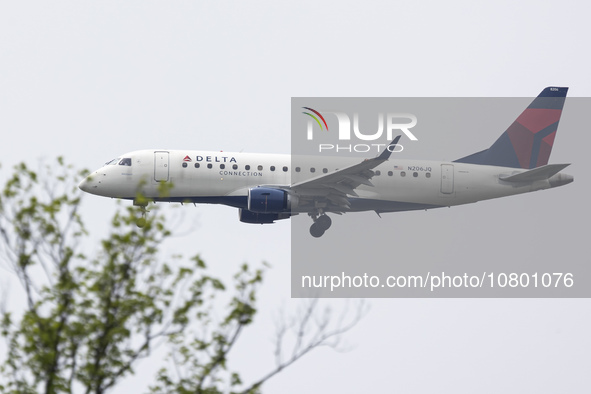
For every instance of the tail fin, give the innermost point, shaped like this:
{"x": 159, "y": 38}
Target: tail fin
{"x": 527, "y": 143}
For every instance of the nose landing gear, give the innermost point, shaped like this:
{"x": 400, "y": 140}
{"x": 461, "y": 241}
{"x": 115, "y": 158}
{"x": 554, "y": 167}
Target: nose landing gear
{"x": 322, "y": 222}
{"x": 141, "y": 222}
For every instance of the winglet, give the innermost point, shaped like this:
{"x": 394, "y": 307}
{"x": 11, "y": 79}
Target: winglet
{"x": 385, "y": 155}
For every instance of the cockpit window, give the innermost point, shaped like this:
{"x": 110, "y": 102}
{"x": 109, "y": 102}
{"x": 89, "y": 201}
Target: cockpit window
{"x": 126, "y": 161}
{"x": 113, "y": 162}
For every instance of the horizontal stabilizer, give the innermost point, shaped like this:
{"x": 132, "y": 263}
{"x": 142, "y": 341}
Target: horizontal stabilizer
{"x": 537, "y": 174}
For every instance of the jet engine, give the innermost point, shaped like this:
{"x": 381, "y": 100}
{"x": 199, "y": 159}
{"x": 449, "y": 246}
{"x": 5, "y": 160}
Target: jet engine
{"x": 265, "y": 205}
{"x": 269, "y": 200}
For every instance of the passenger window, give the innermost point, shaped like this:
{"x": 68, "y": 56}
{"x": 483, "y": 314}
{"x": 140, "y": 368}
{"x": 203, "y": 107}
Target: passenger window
{"x": 312, "y": 169}
{"x": 298, "y": 169}
{"x": 209, "y": 165}
{"x": 272, "y": 168}
{"x": 390, "y": 173}
{"x": 260, "y": 167}
{"x": 284, "y": 169}
{"x": 428, "y": 175}
{"x": 235, "y": 166}
{"x": 196, "y": 165}
{"x": 378, "y": 173}
{"x": 126, "y": 161}
{"x": 184, "y": 165}
{"x": 402, "y": 174}
{"x": 325, "y": 170}
{"x": 247, "y": 167}
{"x": 222, "y": 166}
{"x": 415, "y": 174}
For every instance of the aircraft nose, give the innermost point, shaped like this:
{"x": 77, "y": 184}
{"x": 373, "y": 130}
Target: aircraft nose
{"x": 88, "y": 185}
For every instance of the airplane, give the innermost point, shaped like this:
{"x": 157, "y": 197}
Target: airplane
{"x": 262, "y": 188}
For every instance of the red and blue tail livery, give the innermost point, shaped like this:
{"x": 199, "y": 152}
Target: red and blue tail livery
{"x": 527, "y": 143}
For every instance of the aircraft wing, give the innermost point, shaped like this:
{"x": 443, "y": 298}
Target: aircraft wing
{"x": 332, "y": 189}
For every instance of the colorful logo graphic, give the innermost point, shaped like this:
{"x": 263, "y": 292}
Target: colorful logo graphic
{"x": 315, "y": 118}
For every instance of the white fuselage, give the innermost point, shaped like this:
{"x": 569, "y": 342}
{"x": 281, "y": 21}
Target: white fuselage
{"x": 218, "y": 177}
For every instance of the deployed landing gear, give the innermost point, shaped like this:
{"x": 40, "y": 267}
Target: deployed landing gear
{"x": 141, "y": 222}
{"x": 320, "y": 225}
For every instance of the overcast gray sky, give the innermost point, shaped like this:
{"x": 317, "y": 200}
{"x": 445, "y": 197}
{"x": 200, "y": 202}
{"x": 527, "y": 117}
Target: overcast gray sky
{"x": 91, "y": 80}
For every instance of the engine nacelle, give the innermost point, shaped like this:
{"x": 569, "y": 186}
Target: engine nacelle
{"x": 247, "y": 216}
{"x": 268, "y": 200}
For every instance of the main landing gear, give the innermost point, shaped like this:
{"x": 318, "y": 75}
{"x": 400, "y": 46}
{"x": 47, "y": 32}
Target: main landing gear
{"x": 321, "y": 223}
